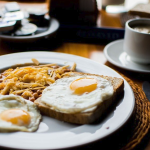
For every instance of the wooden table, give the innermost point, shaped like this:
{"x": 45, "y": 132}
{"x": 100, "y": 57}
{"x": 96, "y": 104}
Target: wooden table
{"x": 91, "y": 51}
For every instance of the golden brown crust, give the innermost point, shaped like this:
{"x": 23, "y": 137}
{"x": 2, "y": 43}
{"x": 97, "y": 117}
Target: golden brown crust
{"x": 84, "y": 117}
{"x": 141, "y": 10}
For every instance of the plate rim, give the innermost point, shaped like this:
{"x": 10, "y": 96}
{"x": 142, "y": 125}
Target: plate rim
{"x": 87, "y": 59}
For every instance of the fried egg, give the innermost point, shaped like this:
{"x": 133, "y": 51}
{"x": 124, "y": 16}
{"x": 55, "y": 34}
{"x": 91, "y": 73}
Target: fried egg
{"x": 77, "y": 93}
{"x": 18, "y": 114}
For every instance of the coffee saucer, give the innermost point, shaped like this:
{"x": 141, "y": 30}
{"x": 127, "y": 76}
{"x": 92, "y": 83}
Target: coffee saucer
{"x": 115, "y": 54}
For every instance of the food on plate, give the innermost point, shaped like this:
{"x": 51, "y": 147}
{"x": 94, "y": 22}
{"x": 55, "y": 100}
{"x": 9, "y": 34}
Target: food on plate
{"x": 18, "y": 114}
{"x": 79, "y": 98}
{"x": 140, "y": 10}
{"x": 29, "y": 81}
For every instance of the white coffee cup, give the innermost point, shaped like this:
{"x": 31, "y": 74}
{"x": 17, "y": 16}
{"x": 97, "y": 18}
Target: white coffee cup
{"x": 136, "y": 43}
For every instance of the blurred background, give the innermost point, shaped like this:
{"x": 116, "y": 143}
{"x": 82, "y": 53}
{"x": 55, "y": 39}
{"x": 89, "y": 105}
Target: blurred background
{"x": 48, "y": 23}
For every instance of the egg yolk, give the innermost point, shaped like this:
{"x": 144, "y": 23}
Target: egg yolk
{"x": 16, "y": 116}
{"x": 82, "y": 85}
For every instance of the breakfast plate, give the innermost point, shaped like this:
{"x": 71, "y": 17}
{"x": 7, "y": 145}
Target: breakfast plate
{"x": 69, "y": 135}
{"x": 115, "y": 54}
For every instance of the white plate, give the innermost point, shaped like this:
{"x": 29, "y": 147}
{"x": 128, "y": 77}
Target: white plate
{"x": 52, "y": 29}
{"x": 54, "y": 134}
{"x": 115, "y": 55}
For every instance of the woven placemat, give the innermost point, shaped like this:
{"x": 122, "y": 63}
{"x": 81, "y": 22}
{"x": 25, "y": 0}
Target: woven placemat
{"x": 140, "y": 123}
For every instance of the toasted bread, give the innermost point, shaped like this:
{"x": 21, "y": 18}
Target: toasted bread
{"x": 141, "y": 10}
{"x": 84, "y": 117}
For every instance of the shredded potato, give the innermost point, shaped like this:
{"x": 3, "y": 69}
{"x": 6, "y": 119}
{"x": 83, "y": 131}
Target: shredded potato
{"x": 30, "y": 81}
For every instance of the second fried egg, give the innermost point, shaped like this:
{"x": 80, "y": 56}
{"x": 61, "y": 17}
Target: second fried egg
{"x": 18, "y": 114}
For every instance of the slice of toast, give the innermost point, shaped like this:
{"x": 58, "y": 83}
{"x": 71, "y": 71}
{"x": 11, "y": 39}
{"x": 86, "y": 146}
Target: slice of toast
{"x": 141, "y": 10}
{"x": 89, "y": 116}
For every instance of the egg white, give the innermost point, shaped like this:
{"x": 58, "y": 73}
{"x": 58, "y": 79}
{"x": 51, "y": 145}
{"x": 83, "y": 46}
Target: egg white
{"x": 61, "y": 98}
{"x": 16, "y": 102}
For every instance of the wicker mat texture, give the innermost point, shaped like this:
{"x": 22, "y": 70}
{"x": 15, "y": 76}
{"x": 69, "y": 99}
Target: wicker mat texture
{"x": 141, "y": 116}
